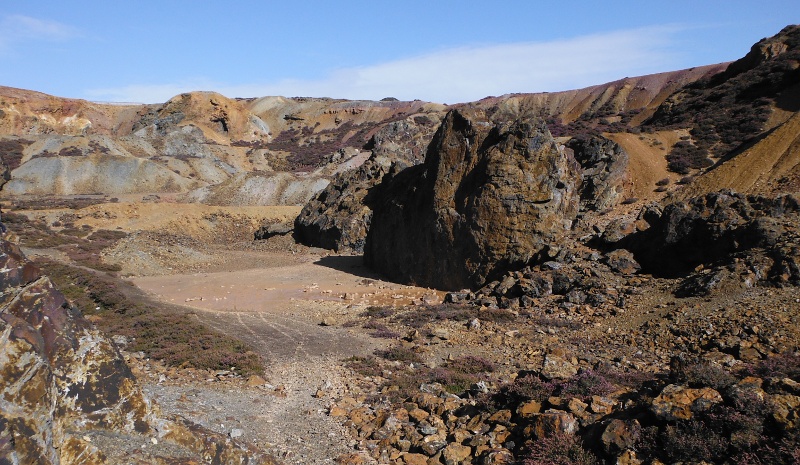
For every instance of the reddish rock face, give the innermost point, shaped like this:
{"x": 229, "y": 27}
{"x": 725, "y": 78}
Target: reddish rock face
{"x": 488, "y": 198}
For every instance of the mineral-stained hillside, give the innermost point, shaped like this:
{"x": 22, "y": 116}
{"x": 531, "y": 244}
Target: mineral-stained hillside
{"x": 202, "y": 145}
{"x": 727, "y": 109}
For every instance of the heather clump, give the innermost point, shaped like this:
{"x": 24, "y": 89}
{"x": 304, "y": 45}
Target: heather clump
{"x": 169, "y": 335}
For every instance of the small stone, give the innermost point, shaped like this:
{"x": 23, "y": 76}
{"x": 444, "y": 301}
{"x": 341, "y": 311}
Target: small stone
{"x": 336, "y": 411}
{"x": 556, "y": 367}
{"x": 418, "y": 414}
{"x": 351, "y": 459}
{"x": 576, "y": 406}
{"x": 622, "y": 261}
{"x": 456, "y": 454}
{"x": 629, "y": 458}
{"x": 255, "y": 381}
{"x": 328, "y": 321}
{"x": 602, "y": 405}
{"x": 414, "y": 459}
{"x": 529, "y": 409}
{"x": 433, "y": 443}
{"x": 236, "y": 433}
{"x": 498, "y": 456}
{"x": 555, "y": 422}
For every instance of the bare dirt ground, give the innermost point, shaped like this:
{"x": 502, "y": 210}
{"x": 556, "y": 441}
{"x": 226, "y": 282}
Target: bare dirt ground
{"x": 290, "y": 313}
{"x": 286, "y": 301}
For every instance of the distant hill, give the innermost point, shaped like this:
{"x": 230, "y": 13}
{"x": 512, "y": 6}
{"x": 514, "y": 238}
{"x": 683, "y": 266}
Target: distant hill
{"x": 205, "y": 147}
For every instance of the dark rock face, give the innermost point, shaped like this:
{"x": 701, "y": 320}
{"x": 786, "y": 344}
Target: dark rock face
{"x": 713, "y": 228}
{"x": 604, "y": 165}
{"x": 338, "y": 218}
{"x": 489, "y": 198}
{"x": 272, "y": 230}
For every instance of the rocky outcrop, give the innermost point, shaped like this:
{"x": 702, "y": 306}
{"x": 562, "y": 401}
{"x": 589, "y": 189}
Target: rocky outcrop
{"x": 715, "y": 229}
{"x": 488, "y": 198}
{"x": 60, "y": 379}
{"x": 575, "y": 278}
{"x": 339, "y": 216}
{"x": 604, "y": 165}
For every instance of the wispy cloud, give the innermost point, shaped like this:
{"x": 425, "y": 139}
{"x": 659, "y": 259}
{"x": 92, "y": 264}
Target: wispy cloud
{"x": 460, "y": 74}
{"x": 18, "y": 28}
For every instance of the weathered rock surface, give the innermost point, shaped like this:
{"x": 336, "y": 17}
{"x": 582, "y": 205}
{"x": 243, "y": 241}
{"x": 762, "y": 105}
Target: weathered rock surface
{"x": 339, "y": 216}
{"x": 715, "y": 228}
{"x": 604, "y": 165}
{"x": 488, "y": 198}
{"x": 60, "y": 378}
{"x": 680, "y": 403}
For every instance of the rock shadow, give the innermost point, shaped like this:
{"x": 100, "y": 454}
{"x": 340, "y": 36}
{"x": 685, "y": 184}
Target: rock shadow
{"x": 351, "y": 264}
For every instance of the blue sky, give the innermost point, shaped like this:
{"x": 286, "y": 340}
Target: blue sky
{"x": 437, "y": 50}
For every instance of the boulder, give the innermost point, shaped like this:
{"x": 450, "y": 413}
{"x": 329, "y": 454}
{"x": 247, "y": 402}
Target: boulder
{"x": 456, "y": 454}
{"x": 622, "y": 261}
{"x": 272, "y": 230}
{"x": 680, "y": 403}
{"x": 339, "y": 216}
{"x": 554, "y": 422}
{"x": 488, "y": 199}
{"x": 786, "y": 410}
{"x": 619, "y": 435}
{"x": 604, "y": 165}
{"x": 715, "y": 226}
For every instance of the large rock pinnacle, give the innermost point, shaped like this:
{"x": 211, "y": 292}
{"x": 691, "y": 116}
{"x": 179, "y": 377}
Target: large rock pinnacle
{"x": 488, "y": 198}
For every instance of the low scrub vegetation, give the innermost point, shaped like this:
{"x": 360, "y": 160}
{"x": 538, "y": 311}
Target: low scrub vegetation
{"x": 163, "y": 334}
{"x": 403, "y": 371}
{"x": 170, "y": 335}
{"x": 81, "y": 245}
{"x": 726, "y": 110}
{"x": 11, "y": 151}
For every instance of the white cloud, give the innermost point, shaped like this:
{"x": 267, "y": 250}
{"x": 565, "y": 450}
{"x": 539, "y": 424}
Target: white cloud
{"x": 460, "y": 74}
{"x": 16, "y": 28}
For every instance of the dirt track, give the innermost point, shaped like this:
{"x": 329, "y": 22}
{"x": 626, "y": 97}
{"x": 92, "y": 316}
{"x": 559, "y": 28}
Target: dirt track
{"x": 278, "y": 310}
